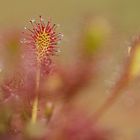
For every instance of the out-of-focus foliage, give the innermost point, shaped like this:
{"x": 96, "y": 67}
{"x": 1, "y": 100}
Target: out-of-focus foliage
{"x": 135, "y": 64}
{"x": 95, "y": 34}
{"x": 39, "y": 101}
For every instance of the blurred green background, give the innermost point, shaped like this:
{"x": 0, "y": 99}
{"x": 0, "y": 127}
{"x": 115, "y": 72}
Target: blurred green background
{"x": 123, "y": 16}
{"x": 123, "y": 13}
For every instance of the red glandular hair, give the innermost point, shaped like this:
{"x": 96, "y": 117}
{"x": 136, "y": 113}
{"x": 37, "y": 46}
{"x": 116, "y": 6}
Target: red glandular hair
{"x": 42, "y": 38}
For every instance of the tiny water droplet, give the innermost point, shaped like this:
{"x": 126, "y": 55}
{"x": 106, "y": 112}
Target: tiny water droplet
{"x": 61, "y": 35}
{"x": 32, "y": 20}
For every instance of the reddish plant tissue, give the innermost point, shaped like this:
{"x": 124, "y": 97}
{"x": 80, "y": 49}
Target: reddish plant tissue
{"x": 34, "y": 78}
{"x": 75, "y": 125}
{"x": 43, "y": 38}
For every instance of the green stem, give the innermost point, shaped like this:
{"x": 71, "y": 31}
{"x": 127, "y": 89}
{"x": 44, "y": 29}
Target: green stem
{"x": 35, "y": 103}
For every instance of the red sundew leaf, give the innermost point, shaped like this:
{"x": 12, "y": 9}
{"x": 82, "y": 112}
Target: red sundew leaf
{"x": 43, "y": 38}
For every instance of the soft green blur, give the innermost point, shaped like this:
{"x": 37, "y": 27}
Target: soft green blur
{"x": 95, "y": 35}
{"x": 123, "y": 16}
{"x": 124, "y": 13}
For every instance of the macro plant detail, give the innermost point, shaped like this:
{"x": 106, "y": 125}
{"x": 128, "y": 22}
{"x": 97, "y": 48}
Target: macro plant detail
{"x": 43, "y": 38}
{"x": 40, "y": 101}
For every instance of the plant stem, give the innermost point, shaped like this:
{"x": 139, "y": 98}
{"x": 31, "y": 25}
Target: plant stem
{"x": 35, "y": 103}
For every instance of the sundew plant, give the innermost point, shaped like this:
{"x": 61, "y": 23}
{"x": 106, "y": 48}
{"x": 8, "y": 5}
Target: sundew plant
{"x": 39, "y": 94}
